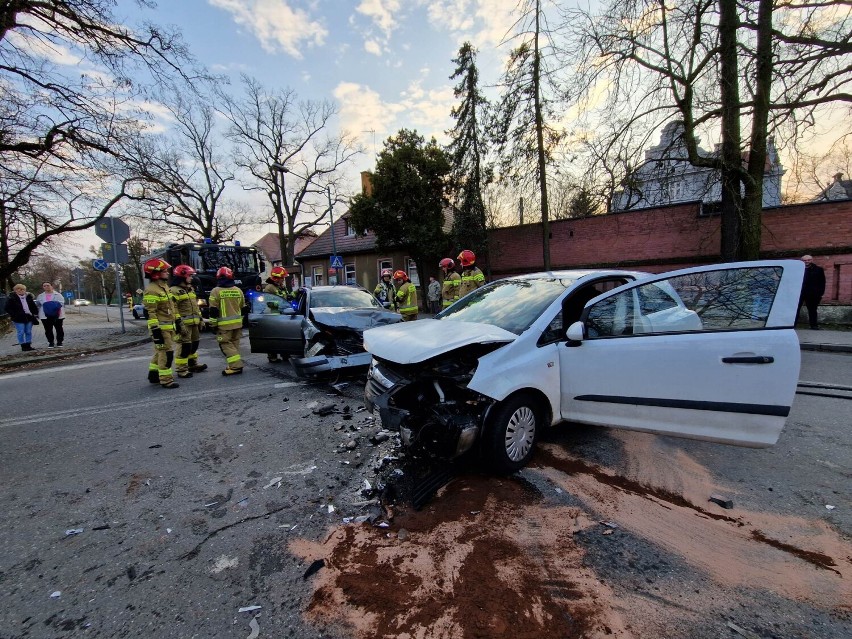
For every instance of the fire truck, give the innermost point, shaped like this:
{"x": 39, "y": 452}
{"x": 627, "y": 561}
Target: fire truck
{"x": 206, "y": 258}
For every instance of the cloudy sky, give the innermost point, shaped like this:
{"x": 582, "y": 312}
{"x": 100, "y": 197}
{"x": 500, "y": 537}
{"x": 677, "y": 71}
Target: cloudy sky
{"x": 386, "y": 63}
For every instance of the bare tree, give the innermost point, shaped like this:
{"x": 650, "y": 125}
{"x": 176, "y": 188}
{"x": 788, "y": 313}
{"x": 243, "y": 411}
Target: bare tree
{"x": 61, "y": 124}
{"x": 186, "y": 173}
{"x": 715, "y": 65}
{"x": 287, "y": 149}
{"x": 524, "y": 128}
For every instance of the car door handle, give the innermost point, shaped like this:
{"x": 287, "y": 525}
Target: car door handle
{"x": 748, "y": 359}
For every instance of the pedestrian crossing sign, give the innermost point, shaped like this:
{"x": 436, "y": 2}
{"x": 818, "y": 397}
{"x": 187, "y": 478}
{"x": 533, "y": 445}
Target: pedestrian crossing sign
{"x": 336, "y": 261}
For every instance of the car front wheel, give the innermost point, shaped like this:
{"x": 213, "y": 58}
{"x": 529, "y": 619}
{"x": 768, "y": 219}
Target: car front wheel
{"x": 510, "y": 437}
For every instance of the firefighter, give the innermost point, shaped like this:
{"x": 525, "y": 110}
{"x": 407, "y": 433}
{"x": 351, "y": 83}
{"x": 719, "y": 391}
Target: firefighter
{"x": 452, "y": 280}
{"x": 406, "y": 296}
{"x": 385, "y": 291}
{"x": 226, "y": 319}
{"x": 186, "y": 307}
{"x": 471, "y": 277}
{"x": 160, "y": 311}
{"x": 276, "y": 284}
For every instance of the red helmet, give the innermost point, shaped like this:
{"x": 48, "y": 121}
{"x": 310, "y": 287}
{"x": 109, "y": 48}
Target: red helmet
{"x": 278, "y": 272}
{"x": 184, "y": 270}
{"x": 386, "y": 272}
{"x": 466, "y": 258}
{"x": 446, "y": 263}
{"x": 224, "y": 273}
{"x": 400, "y": 275}
{"x": 155, "y": 267}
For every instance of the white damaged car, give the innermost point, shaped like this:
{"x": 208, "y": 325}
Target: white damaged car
{"x": 707, "y": 353}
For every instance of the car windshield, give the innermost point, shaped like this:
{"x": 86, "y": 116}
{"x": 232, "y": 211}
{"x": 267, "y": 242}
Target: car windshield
{"x": 342, "y": 297}
{"x": 510, "y": 304}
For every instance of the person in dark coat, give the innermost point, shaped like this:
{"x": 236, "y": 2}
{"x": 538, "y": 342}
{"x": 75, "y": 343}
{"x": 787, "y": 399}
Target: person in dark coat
{"x": 23, "y": 312}
{"x": 813, "y": 288}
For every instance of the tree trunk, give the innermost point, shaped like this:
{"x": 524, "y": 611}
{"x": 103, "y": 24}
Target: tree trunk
{"x": 732, "y": 206}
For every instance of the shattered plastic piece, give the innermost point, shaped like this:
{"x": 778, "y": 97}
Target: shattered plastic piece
{"x": 328, "y": 409}
{"x": 383, "y": 524}
{"x": 830, "y": 507}
{"x": 330, "y": 508}
{"x": 285, "y": 408}
{"x": 104, "y": 527}
{"x": 367, "y": 485}
{"x": 609, "y": 524}
{"x": 56, "y": 594}
{"x": 156, "y": 446}
{"x": 255, "y": 628}
{"x": 724, "y": 502}
{"x": 607, "y": 531}
{"x": 211, "y": 504}
{"x": 73, "y": 531}
{"x": 169, "y": 530}
{"x": 360, "y": 409}
{"x": 360, "y": 519}
{"x": 273, "y": 481}
{"x": 347, "y": 520}
{"x": 314, "y": 567}
{"x": 249, "y": 608}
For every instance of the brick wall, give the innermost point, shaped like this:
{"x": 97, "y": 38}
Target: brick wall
{"x": 676, "y": 236}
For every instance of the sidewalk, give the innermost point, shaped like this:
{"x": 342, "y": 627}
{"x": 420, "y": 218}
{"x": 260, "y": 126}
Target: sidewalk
{"x": 88, "y": 331}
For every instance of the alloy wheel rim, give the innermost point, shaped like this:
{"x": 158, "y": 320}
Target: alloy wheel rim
{"x": 520, "y": 432}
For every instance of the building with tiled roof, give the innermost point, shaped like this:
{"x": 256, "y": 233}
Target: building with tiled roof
{"x": 270, "y": 246}
{"x": 839, "y": 189}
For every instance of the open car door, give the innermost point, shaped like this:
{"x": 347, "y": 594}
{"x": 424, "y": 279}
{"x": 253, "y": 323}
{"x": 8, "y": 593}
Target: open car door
{"x": 274, "y": 327}
{"x": 708, "y": 353}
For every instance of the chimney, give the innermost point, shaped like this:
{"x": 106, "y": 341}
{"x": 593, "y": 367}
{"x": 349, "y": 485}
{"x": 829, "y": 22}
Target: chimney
{"x": 367, "y": 183}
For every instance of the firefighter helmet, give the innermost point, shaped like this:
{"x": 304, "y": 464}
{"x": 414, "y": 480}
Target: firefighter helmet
{"x": 386, "y": 272}
{"x": 466, "y": 258}
{"x": 225, "y": 273}
{"x": 278, "y": 272}
{"x": 400, "y": 275}
{"x": 446, "y": 263}
{"x": 183, "y": 271}
{"x": 155, "y": 267}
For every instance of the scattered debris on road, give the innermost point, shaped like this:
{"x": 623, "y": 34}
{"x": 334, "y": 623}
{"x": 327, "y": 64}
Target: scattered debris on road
{"x": 73, "y": 531}
{"x": 313, "y": 568}
{"x": 724, "y": 502}
{"x": 249, "y": 608}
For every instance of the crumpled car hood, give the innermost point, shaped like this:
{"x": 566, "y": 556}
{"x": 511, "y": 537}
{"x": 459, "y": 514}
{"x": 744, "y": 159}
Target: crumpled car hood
{"x": 354, "y": 318}
{"x": 414, "y": 342}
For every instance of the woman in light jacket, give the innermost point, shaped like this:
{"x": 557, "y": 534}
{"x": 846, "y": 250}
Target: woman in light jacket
{"x": 51, "y": 312}
{"x": 23, "y": 312}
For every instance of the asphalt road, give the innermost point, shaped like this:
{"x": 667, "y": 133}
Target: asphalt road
{"x": 193, "y": 503}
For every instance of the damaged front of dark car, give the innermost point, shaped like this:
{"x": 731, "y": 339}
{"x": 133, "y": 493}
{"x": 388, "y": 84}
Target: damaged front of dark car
{"x": 321, "y": 329}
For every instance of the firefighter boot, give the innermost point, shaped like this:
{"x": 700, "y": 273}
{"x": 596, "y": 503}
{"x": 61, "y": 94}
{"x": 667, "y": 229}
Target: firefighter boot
{"x": 153, "y": 376}
{"x": 197, "y": 368}
{"x": 232, "y": 371}
{"x": 185, "y": 375}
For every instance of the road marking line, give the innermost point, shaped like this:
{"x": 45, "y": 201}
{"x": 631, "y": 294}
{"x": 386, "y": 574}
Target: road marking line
{"x": 72, "y": 367}
{"x": 106, "y": 408}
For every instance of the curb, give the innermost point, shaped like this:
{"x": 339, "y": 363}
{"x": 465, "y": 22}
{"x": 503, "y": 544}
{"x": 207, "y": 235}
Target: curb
{"x": 827, "y": 348}
{"x": 17, "y": 362}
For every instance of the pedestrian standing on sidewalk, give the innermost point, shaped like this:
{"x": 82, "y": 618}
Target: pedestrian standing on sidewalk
{"x": 226, "y": 318}
{"x": 160, "y": 309}
{"x": 186, "y": 308}
{"x": 434, "y": 295}
{"x": 813, "y": 288}
{"x": 51, "y": 312}
{"x": 23, "y": 312}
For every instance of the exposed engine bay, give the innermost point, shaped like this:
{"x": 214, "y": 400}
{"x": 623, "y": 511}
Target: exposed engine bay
{"x": 429, "y": 403}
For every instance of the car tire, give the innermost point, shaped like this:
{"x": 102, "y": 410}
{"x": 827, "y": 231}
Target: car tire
{"x": 511, "y": 433}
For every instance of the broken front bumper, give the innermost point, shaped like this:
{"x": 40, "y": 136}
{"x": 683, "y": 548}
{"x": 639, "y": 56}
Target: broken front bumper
{"x": 312, "y": 366}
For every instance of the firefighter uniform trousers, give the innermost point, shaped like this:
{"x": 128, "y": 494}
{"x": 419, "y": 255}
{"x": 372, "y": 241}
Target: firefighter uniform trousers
{"x": 161, "y": 316}
{"x": 186, "y": 303}
{"x": 228, "y": 303}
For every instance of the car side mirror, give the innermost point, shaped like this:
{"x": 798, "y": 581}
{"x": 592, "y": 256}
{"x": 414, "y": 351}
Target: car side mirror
{"x": 575, "y": 332}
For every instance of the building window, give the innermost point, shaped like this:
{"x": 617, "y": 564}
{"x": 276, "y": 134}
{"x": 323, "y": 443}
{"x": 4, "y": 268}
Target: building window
{"x": 349, "y": 273}
{"x": 349, "y": 230}
{"x": 319, "y": 276}
{"x": 384, "y": 263}
{"x": 412, "y": 272}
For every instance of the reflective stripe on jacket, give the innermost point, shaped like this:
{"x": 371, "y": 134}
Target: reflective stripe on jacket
{"x": 406, "y": 299}
{"x": 471, "y": 279}
{"x": 229, "y": 302}
{"x": 186, "y": 305}
{"x": 159, "y": 306}
{"x": 450, "y": 288}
